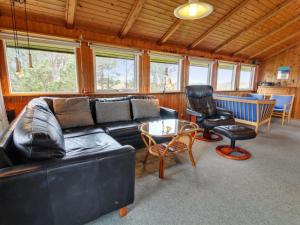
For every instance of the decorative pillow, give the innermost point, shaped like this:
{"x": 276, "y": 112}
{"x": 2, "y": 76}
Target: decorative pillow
{"x": 73, "y": 112}
{"x": 113, "y": 111}
{"x": 38, "y": 134}
{"x": 145, "y": 108}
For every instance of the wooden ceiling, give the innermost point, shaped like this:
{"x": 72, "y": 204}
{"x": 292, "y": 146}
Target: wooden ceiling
{"x": 254, "y": 29}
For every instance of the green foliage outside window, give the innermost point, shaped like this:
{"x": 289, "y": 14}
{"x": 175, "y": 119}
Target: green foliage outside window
{"x": 52, "y": 71}
{"x": 115, "y": 71}
{"x": 164, "y": 74}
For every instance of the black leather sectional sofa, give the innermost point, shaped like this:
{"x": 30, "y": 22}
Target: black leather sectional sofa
{"x": 93, "y": 176}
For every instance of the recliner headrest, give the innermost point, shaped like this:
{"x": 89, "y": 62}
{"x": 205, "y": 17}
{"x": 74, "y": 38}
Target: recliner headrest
{"x": 198, "y": 91}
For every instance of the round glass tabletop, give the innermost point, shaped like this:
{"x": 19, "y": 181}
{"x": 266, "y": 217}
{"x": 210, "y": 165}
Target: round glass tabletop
{"x": 168, "y": 127}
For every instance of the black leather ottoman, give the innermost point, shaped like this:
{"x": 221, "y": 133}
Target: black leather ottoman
{"x": 234, "y": 133}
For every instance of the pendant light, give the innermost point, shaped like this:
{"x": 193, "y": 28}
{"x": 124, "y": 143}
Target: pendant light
{"x": 193, "y": 9}
{"x": 19, "y": 70}
{"x": 28, "y": 45}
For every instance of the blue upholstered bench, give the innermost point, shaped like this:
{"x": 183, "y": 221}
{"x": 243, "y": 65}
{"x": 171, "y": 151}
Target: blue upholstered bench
{"x": 247, "y": 110}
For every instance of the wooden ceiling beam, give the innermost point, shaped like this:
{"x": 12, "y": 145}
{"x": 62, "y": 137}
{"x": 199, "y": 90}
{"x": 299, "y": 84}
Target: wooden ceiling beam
{"x": 70, "y": 13}
{"x": 96, "y": 35}
{"x": 275, "y": 44}
{"x": 134, "y": 13}
{"x": 170, "y": 31}
{"x": 297, "y": 18}
{"x": 216, "y": 25}
{"x": 254, "y": 24}
{"x": 282, "y": 50}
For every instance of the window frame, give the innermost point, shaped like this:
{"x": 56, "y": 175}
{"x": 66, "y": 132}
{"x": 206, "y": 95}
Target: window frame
{"x": 52, "y": 42}
{"x": 210, "y": 69}
{"x": 252, "y": 79}
{"x": 179, "y": 74}
{"x": 234, "y": 75}
{"x": 117, "y": 50}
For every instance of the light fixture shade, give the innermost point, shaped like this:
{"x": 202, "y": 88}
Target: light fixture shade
{"x": 18, "y": 66}
{"x": 193, "y": 10}
{"x": 30, "y": 61}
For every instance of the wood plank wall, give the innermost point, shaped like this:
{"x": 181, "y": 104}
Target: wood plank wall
{"x": 268, "y": 72}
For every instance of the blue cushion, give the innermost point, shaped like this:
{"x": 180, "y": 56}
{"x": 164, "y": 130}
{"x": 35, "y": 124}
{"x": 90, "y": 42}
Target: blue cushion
{"x": 257, "y": 96}
{"x": 241, "y": 110}
{"x": 278, "y": 110}
{"x": 237, "y": 97}
{"x": 282, "y": 100}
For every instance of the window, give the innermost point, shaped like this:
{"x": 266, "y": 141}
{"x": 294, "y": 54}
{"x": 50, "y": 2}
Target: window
{"x": 164, "y": 73}
{"x": 54, "y": 68}
{"x": 246, "y": 77}
{"x": 199, "y": 72}
{"x": 116, "y": 70}
{"x": 226, "y": 76}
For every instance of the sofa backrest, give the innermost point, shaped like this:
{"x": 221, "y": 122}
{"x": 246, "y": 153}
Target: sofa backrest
{"x": 256, "y": 96}
{"x": 9, "y": 153}
{"x": 246, "y": 108}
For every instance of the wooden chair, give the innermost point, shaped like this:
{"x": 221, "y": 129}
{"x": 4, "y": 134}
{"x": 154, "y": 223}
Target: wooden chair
{"x": 283, "y": 107}
{"x": 182, "y": 142}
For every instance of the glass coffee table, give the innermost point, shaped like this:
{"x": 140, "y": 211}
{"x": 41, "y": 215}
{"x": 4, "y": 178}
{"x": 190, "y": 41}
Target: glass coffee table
{"x": 182, "y": 132}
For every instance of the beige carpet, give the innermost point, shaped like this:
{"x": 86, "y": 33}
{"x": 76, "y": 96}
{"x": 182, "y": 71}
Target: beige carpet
{"x": 264, "y": 190}
{"x": 151, "y": 166}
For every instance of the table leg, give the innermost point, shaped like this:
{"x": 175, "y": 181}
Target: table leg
{"x": 192, "y": 157}
{"x": 161, "y": 167}
{"x": 147, "y": 155}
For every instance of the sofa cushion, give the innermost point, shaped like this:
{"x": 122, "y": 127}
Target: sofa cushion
{"x": 120, "y": 129}
{"x": 145, "y": 108}
{"x": 79, "y": 131}
{"x": 113, "y": 111}
{"x": 73, "y": 112}
{"x": 87, "y": 144}
{"x": 39, "y": 103}
{"x": 38, "y": 134}
{"x": 142, "y": 97}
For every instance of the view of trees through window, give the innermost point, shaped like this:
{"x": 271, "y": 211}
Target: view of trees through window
{"x": 116, "y": 72}
{"x": 226, "y": 76}
{"x": 199, "y": 73}
{"x": 246, "y": 77}
{"x": 164, "y": 74}
{"x": 52, "y": 71}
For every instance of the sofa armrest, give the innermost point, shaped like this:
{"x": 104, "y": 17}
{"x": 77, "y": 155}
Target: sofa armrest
{"x": 195, "y": 113}
{"x": 224, "y": 112}
{"x": 168, "y": 113}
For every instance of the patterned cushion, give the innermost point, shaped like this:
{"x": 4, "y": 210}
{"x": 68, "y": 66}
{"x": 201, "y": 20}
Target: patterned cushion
{"x": 73, "y": 112}
{"x": 113, "y": 111}
{"x": 145, "y": 108}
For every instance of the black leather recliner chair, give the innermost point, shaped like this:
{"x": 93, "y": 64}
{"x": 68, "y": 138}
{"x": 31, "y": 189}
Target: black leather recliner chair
{"x": 203, "y": 111}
